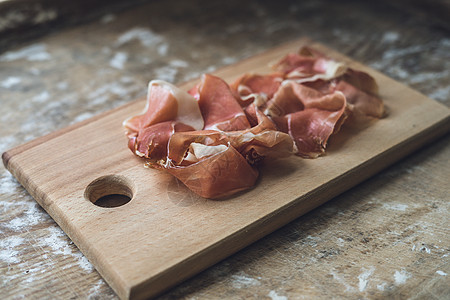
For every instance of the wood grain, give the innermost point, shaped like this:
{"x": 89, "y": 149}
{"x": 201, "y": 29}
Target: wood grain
{"x": 166, "y": 234}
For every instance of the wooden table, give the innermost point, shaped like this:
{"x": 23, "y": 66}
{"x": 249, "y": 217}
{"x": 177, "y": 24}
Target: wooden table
{"x": 387, "y": 237}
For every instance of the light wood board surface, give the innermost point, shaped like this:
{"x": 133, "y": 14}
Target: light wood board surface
{"x": 165, "y": 233}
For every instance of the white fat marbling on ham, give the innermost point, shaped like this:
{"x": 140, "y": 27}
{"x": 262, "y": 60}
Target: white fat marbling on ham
{"x": 333, "y": 69}
{"x": 199, "y": 151}
{"x": 188, "y": 110}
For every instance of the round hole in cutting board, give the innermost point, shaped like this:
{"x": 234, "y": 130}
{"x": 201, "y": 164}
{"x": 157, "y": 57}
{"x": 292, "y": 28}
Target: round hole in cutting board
{"x": 109, "y": 191}
{"x": 113, "y": 200}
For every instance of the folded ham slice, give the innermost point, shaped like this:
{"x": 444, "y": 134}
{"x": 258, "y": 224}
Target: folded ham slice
{"x": 361, "y": 92}
{"x": 221, "y": 174}
{"x": 309, "y": 65}
{"x": 165, "y": 102}
{"x": 220, "y": 108}
{"x": 263, "y": 140}
{"x": 361, "y": 104}
{"x": 255, "y": 88}
{"x": 308, "y": 116}
{"x": 151, "y": 142}
{"x": 207, "y": 163}
{"x": 168, "y": 110}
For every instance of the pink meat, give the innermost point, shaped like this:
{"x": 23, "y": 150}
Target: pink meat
{"x": 220, "y": 109}
{"x": 314, "y": 118}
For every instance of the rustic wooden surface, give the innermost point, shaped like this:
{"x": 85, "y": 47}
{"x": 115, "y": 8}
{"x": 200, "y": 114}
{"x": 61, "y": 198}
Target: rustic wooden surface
{"x": 172, "y": 233}
{"x": 388, "y": 237}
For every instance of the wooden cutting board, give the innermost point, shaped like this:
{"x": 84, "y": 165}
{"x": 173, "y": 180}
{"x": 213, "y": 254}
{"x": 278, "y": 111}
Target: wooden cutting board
{"x": 166, "y": 234}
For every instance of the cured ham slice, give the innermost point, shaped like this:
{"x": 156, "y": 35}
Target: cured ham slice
{"x": 309, "y": 65}
{"x": 166, "y": 102}
{"x": 262, "y": 141}
{"x": 361, "y": 104}
{"x": 292, "y": 61}
{"x": 151, "y": 142}
{"x": 218, "y": 175}
{"x": 219, "y": 107}
{"x": 308, "y": 116}
{"x": 361, "y": 81}
{"x": 257, "y": 89}
{"x": 168, "y": 110}
{"x": 207, "y": 163}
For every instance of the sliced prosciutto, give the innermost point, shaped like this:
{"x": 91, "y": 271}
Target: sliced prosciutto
{"x": 313, "y": 69}
{"x": 361, "y": 104}
{"x": 166, "y": 102}
{"x": 361, "y": 81}
{"x": 204, "y": 138}
{"x": 213, "y": 137}
{"x": 151, "y": 142}
{"x": 255, "y": 88}
{"x": 361, "y": 92}
{"x": 308, "y": 116}
{"x": 263, "y": 140}
{"x": 216, "y": 176}
{"x": 208, "y": 165}
{"x": 219, "y": 107}
{"x": 309, "y": 65}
